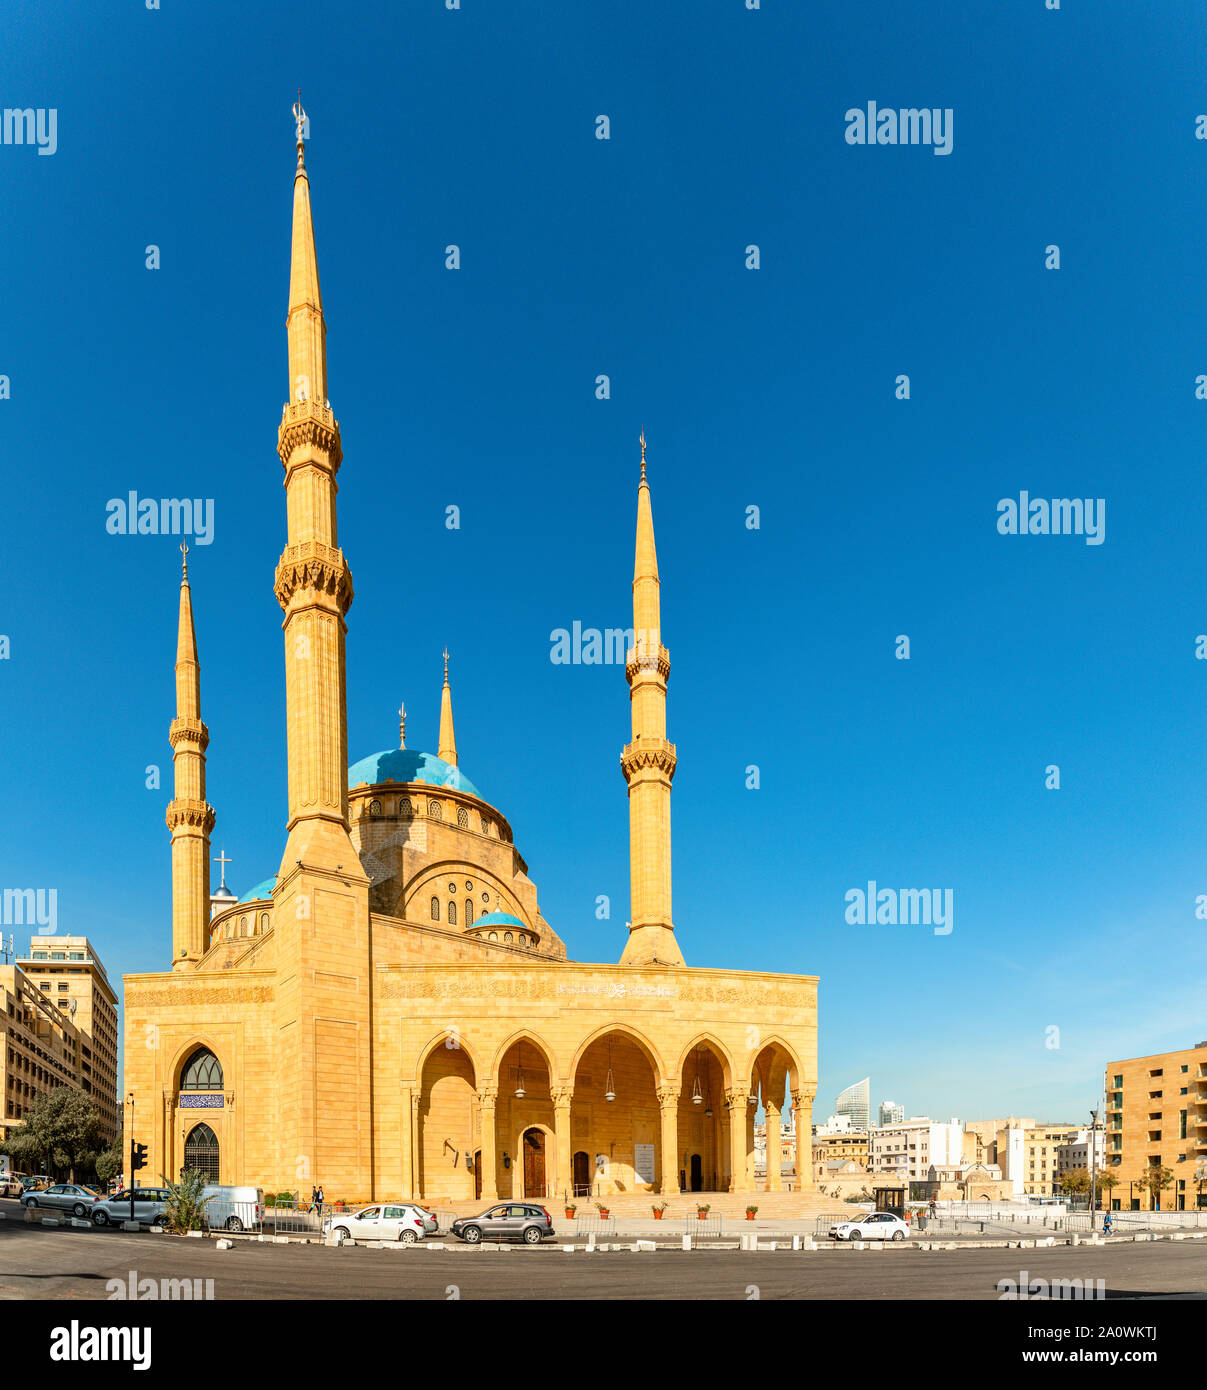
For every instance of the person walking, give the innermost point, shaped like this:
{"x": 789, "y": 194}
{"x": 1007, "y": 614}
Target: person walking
{"x": 318, "y": 1200}
{"x": 1107, "y": 1224}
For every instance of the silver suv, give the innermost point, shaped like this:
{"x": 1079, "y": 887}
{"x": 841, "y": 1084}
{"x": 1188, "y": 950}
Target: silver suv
{"x": 508, "y": 1221}
{"x": 150, "y": 1206}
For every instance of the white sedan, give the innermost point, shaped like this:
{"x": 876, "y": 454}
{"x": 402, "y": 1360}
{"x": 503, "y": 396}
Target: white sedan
{"x": 388, "y": 1221}
{"x": 874, "y": 1225}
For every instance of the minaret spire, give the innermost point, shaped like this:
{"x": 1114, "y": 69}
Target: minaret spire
{"x": 402, "y": 726}
{"x": 648, "y": 762}
{"x": 448, "y": 740}
{"x": 313, "y": 584}
{"x": 190, "y": 818}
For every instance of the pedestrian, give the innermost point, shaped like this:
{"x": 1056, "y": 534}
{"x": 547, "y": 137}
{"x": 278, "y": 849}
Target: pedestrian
{"x": 1106, "y": 1224}
{"x": 318, "y": 1200}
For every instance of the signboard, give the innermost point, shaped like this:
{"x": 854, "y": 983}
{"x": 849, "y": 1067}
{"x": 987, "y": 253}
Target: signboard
{"x": 643, "y": 1162}
{"x": 187, "y": 1102}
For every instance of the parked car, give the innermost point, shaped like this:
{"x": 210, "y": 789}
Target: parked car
{"x": 150, "y": 1207}
{"x": 10, "y": 1186}
{"x": 62, "y": 1196}
{"x": 233, "y": 1208}
{"x": 507, "y": 1221}
{"x": 402, "y": 1221}
{"x": 873, "y": 1225}
{"x": 36, "y": 1182}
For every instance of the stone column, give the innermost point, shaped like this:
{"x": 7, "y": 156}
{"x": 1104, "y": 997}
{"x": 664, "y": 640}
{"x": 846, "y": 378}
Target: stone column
{"x": 406, "y": 1095}
{"x": 737, "y": 1098}
{"x": 774, "y": 1142}
{"x": 563, "y": 1170}
{"x": 803, "y": 1100}
{"x": 668, "y": 1100}
{"x": 416, "y": 1139}
{"x": 490, "y": 1163}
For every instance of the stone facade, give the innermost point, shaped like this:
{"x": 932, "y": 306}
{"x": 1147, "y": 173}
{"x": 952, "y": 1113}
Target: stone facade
{"x": 392, "y": 1015}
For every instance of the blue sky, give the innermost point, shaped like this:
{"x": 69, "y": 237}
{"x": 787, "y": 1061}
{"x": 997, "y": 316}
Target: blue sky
{"x": 1073, "y": 908}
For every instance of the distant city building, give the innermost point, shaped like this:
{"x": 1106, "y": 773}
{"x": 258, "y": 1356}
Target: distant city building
{"x": 1028, "y": 1156}
{"x": 856, "y": 1103}
{"x": 891, "y": 1113}
{"x": 911, "y": 1148}
{"x": 1076, "y": 1154}
{"x": 835, "y": 1124}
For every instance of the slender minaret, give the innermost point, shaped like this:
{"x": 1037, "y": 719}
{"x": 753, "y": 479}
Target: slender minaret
{"x": 190, "y": 818}
{"x": 447, "y": 748}
{"x": 648, "y": 762}
{"x": 313, "y": 583}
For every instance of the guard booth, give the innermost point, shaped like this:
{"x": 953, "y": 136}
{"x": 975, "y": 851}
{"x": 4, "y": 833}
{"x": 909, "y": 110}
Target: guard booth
{"x": 890, "y": 1199}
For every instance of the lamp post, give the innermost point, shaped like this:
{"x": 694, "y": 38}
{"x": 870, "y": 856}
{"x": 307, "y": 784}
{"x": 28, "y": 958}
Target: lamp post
{"x": 130, "y": 1171}
{"x": 1093, "y": 1173}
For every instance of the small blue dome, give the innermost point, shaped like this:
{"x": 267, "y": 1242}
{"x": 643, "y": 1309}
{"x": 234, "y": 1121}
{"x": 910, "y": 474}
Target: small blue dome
{"x": 261, "y": 890}
{"x": 403, "y": 765}
{"x": 500, "y": 919}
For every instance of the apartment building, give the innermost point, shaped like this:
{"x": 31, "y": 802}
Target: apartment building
{"x": 910, "y": 1149}
{"x": 1156, "y": 1117}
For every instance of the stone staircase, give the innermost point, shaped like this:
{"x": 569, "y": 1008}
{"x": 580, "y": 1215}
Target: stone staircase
{"x": 788, "y": 1206}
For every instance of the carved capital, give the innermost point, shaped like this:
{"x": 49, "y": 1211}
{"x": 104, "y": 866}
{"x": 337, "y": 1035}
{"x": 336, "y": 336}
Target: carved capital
{"x": 737, "y": 1097}
{"x": 315, "y": 567}
{"x": 191, "y": 730}
{"x": 198, "y": 815}
{"x": 562, "y": 1096}
{"x": 487, "y": 1095}
{"x": 668, "y": 1095}
{"x": 307, "y": 424}
{"x": 648, "y": 753}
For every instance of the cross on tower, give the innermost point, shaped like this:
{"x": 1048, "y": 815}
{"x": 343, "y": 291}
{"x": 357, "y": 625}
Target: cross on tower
{"x": 224, "y": 861}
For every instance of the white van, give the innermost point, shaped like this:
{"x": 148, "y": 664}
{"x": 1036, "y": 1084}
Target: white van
{"x": 233, "y": 1208}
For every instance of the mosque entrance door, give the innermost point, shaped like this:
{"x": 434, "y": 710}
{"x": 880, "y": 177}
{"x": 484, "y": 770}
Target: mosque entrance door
{"x": 534, "y": 1163}
{"x": 697, "y": 1174}
{"x": 477, "y": 1175}
{"x": 582, "y": 1174}
{"x": 201, "y": 1151}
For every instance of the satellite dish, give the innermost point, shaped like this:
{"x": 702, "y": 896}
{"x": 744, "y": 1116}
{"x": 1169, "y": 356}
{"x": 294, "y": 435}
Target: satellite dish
{"x": 74, "y": 1005}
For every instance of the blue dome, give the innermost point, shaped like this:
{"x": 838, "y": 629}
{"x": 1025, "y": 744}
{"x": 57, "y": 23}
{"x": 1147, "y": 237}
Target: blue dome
{"x": 261, "y": 890}
{"x": 500, "y": 919}
{"x": 402, "y": 765}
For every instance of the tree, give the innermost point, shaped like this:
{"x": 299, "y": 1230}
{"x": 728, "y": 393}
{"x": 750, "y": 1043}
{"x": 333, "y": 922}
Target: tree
{"x": 1156, "y": 1179}
{"x": 1075, "y": 1181}
{"x": 61, "y": 1128}
{"x": 1107, "y": 1182}
{"x": 186, "y": 1205}
{"x": 110, "y": 1163}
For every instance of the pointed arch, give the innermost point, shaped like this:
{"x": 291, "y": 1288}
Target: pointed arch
{"x": 709, "y": 1040}
{"x": 443, "y": 1039}
{"x": 522, "y": 1035}
{"x": 651, "y": 1052}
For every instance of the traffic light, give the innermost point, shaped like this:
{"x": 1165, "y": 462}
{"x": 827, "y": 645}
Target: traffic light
{"x": 138, "y": 1157}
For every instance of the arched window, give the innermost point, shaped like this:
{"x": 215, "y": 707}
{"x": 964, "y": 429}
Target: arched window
{"x": 469, "y": 912}
{"x": 201, "y": 1151}
{"x": 375, "y": 808}
{"x": 202, "y": 1072}
{"x": 435, "y": 909}
{"x": 507, "y": 936}
{"x": 452, "y": 914}
{"x": 263, "y": 921}
{"x": 434, "y": 810}
{"x": 462, "y": 818}
{"x": 405, "y": 808}
{"x": 485, "y": 824}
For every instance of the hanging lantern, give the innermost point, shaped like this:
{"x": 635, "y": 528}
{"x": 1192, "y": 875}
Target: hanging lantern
{"x": 610, "y": 1084}
{"x": 520, "y": 1091}
{"x": 697, "y": 1093}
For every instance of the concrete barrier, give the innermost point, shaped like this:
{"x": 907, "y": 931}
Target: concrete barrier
{"x": 644, "y": 1245}
{"x": 225, "y": 1244}
{"x": 80, "y": 1224}
{"x": 132, "y": 1226}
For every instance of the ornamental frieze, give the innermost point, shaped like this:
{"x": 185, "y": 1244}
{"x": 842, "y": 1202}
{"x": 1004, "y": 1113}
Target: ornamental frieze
{"x": 225, "y": 993}
{"x": 311, "y": 565}
{"x": 184, "y": 727}
{"x": 306, "y": 424}
{"x": 198, "y": 814}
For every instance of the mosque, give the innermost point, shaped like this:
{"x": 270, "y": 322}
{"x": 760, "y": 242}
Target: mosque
{"x": 390, "y": 1014}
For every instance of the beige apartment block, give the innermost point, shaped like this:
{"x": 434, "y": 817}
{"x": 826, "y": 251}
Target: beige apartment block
{"x": 1156, "y": 1117}
{"x": 390, "y": 1014}
{"x": 68, "y": 970}
{"x": 845, "y": 1146}
{"x": 41, "y": 1048}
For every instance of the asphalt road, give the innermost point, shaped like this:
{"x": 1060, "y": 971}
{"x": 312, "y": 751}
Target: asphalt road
{"x": 43, "y": 1263}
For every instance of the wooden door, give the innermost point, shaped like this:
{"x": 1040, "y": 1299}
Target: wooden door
{"x": 697, "y": 1174}
{"x": 534, "y": 1163}
{"x": 582, "y": 1174}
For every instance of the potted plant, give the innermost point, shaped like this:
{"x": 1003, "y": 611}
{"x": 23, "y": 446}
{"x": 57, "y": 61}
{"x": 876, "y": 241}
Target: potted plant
{"x": 702, "y": 1210}
{"x": 571, "y": 1208}
{"x": 658, "y": 1208}
{"x": 605, "y": 1212}
{"x": 751, "y": 1213}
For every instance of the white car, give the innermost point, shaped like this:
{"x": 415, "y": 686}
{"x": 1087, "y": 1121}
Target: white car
{"x": 402, "y": 1221}
{"x": 873, "y": 1225}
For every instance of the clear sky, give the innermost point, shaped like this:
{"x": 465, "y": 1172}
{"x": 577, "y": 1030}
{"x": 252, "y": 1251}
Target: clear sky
{"x": 1074, "y": 908}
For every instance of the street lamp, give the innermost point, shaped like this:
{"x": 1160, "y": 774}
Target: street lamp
{"x": 1093, "y": 1172}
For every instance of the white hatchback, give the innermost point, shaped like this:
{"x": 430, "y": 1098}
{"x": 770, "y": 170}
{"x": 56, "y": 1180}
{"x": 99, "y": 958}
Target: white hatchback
{"x": 385, "y": 1221}
{"x": 874, "y": 1225}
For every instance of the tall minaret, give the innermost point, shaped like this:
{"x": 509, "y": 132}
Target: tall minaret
{"x": 190, "y": 818}
{"x": 313, "y": 583}
{"x": 648, "y": 762}
{"x": 447, "y": 748}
